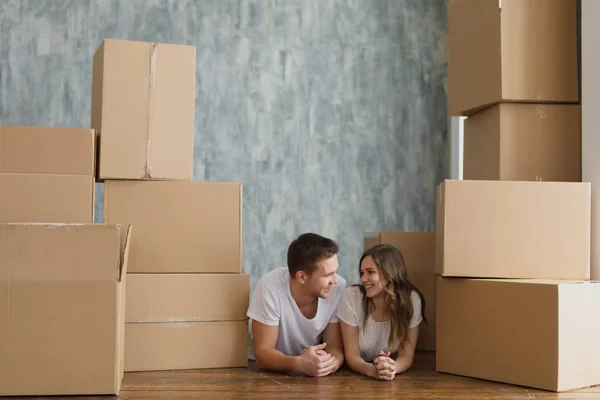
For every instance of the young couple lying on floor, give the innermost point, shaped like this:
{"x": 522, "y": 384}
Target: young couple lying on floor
{"x": 304, "y": 319}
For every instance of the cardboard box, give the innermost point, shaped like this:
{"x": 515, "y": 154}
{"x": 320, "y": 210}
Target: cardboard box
{"x": 49, "y": 174}
{"x": 418, "y": 250}
{"x": 590, "y": 118}
{"x": 184, "y": 321}
{"x": 511, "y": 229}
{"x": 524, "y": 142}
{"x": 541, "y": 334}
{"x": 511, "y": 51}
{"x": 164, "y": 298}
{"x": 180, "y": 226}
{"x": 143, "y": 101}
{"x": 186, "y": 345}
{"x": 62, "y": 308}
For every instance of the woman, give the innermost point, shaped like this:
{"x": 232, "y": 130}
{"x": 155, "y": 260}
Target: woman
{"x": 380, "y": 317}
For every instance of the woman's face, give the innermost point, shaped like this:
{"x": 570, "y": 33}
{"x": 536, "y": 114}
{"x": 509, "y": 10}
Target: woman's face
{"x": 370, "y": 277}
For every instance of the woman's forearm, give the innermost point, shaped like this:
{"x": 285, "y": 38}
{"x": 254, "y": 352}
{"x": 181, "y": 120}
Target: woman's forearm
{"x": 360, "y": 366}
{"x": 403, "y": 363}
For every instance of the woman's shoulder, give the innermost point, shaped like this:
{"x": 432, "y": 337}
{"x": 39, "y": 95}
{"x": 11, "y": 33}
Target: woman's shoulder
{"x": 352, "y": 294}
{"x": 352, "y": 290}
{"x": 415, "y": 298}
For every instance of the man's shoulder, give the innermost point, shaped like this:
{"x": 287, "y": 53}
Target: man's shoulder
{"x": 338, "y": 288}
{"x": 274, "y": 275}
{"x": 342, "y": 281}
{"x": 274, "y": 280}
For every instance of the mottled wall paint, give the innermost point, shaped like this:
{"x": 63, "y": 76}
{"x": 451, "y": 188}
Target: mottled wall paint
{"x": 331, "y": 112}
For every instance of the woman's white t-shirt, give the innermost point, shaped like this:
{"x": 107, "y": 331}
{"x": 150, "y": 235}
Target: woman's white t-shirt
{"x": 373, "y": 338}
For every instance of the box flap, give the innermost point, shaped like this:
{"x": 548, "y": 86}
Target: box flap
{"x": 47, "y": 150}
{"x": 40, "y": 251}
{"x": 124, "y": 235}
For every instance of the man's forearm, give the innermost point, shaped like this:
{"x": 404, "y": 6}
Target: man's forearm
{"x": 274, "y": 360}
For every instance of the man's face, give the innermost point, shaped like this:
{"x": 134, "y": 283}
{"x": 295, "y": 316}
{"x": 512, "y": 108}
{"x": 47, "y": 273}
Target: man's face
{"x": 325, "y": 276}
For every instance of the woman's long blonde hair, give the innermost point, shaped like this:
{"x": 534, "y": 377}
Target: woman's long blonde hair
{"x": 396, "y": 291}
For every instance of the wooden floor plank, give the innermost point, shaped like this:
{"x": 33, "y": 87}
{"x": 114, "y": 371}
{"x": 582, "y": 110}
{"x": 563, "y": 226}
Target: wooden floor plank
{"x": 421, "y": 382}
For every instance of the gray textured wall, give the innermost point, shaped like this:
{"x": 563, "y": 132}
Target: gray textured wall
{"x": 331, "y": 112}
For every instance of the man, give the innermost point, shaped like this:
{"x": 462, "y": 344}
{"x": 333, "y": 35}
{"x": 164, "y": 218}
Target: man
{"x": 293, "y": 311}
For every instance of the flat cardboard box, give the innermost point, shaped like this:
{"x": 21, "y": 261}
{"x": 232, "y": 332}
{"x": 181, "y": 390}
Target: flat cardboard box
{"x": 180, "y": 226}
{"x": 418, "y": 250}
{"x": 511, "y": 51}
{"x": 536, "y": 333}
{"x": 62, "y": 308}
{"x": 49, "y": 173}
{"x": 186, "y": 345}
{"x": 513, "y": 229}
{"x": 524, "y": 142}
{"x": 156, "y": 298}
{"x": 143, "y": 101}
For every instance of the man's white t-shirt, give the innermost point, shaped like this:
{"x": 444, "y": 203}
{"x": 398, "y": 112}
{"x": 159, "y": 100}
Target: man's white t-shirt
{"x": 374, "y": 337}
{"x": 272, "y": 304}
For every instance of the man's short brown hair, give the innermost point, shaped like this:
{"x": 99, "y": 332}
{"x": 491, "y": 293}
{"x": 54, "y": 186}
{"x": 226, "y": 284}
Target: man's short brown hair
{"x": 307, "y": 250}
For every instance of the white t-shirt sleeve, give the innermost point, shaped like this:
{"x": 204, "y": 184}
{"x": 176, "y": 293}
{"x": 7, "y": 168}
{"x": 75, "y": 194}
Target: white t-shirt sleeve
{"x": 264, "y": 306}
{"x": 334, "y": 318}
{"x": 347, "y": 310}
{"x": 417, "y": 316}
{"x": 342, "y": 286}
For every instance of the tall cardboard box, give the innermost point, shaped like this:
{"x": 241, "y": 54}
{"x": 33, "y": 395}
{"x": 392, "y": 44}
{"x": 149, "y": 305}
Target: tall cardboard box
{"x": 513, "y": 229}
{"x": 143, "y": 101}
{"x": 180, "y": 226}
{"x": 590, "y": 118}
{"x": 62, "y": 308}
{"x": 511, "y": 51}
{"x": 530, "y": 142}
{"x": 418, "y": 250}
{"x": 186, "y": 321}
{"x": 537, "y": 333}
{"x": 47, "y": 174}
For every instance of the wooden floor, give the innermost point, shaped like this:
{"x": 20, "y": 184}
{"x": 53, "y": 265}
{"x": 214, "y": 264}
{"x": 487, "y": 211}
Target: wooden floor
{"x": 421, "y": 382}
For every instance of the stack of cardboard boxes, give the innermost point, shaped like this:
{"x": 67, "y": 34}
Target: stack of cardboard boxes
{"x": 514, "y": 300}
{"x": 62, "y": 285}
{"x": 159, "y": 284}
{"x": 186, "y": 295}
